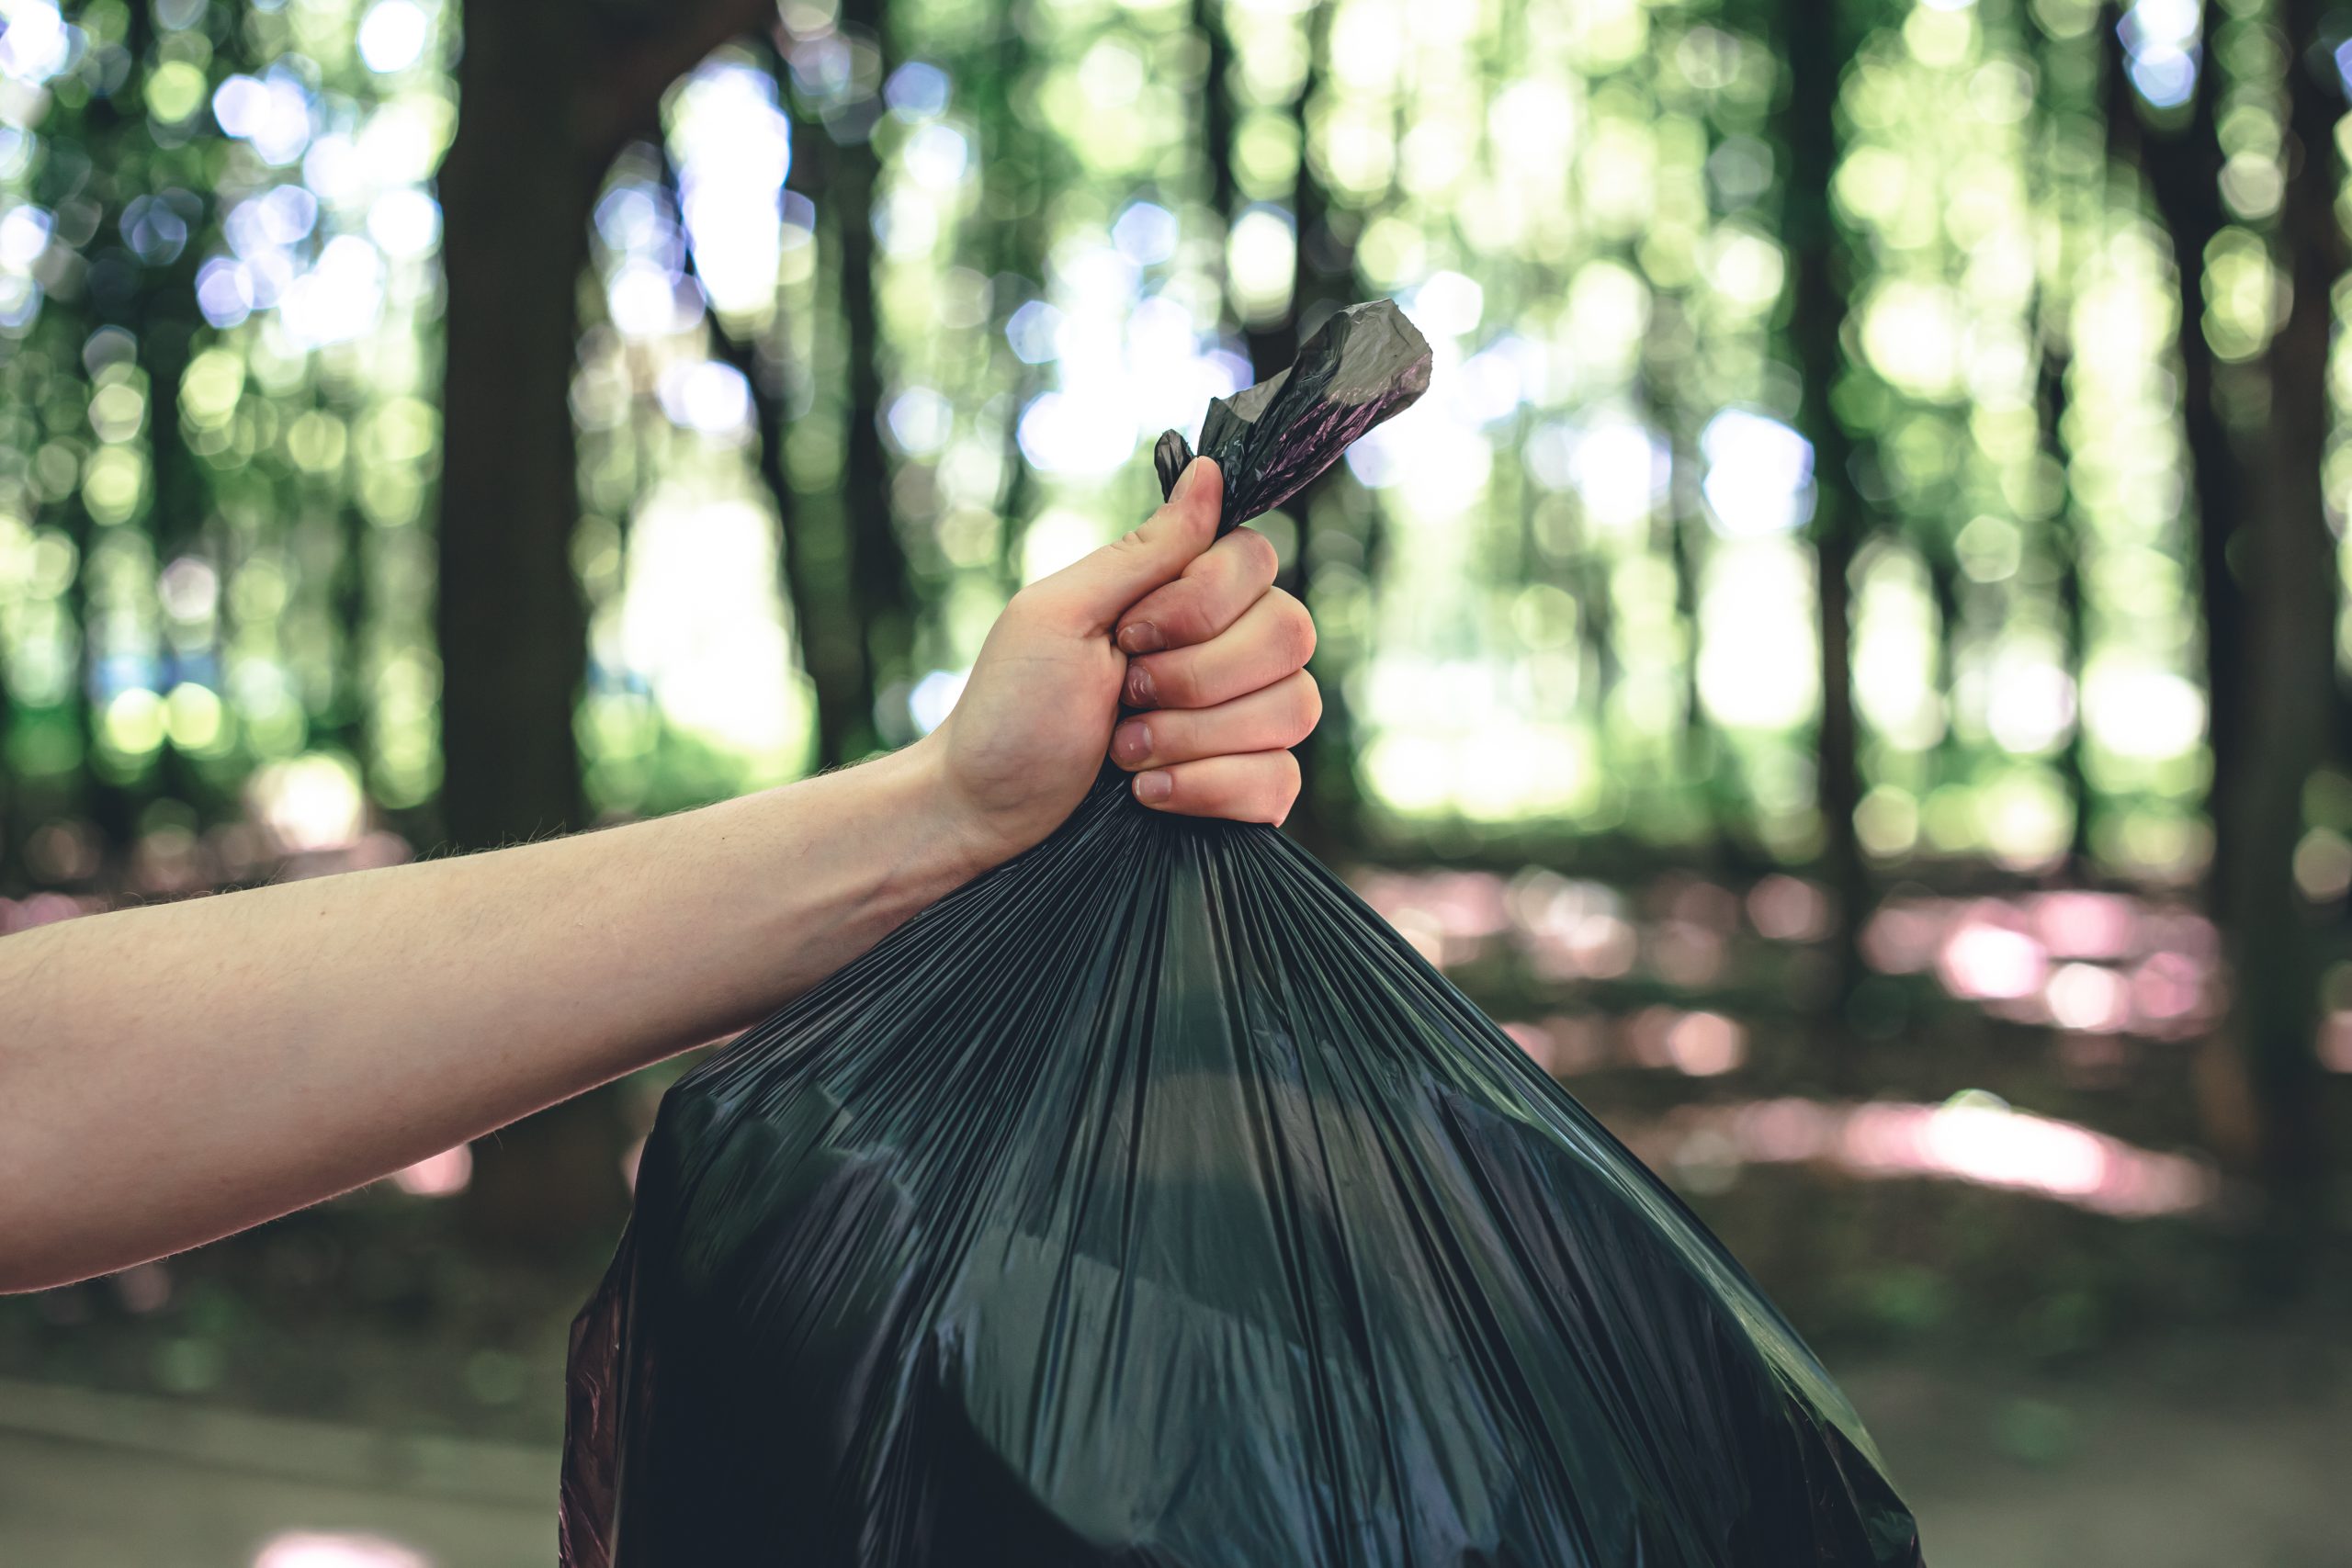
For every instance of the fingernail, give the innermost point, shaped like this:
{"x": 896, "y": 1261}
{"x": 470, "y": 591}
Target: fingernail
{"x": 1138, "y": 686}
{"x": 1132, "y": 744}
{"x": 1154, "y": 787}
{"x": 1140, "y": 636}
{"x": 1186, "y": 481}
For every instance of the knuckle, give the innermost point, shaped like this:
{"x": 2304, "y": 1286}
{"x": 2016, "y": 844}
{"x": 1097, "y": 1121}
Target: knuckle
{"x": 1173, "y": 683}
{"x": 1256, "y": 556}
{"x": 1180, "y": 617}
{"x": 1297, "y": 630}
{"x": 1172, "y": 739}
{"x": 1306, "y": 706}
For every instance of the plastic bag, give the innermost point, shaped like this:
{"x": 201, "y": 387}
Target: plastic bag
{"x": 1367, "y": 361}
{"x": 1148, "y": 1200}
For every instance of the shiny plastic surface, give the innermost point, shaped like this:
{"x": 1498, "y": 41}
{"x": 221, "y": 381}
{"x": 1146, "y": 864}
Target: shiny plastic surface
{"x": 1148, "y": 1200}
{"x": 1364, "y": 364}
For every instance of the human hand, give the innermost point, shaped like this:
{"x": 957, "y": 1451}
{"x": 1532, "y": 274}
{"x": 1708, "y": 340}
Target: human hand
{"x": 1189, "y": 629}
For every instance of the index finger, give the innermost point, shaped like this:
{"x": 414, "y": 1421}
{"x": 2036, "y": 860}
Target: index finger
{"x": 1215, "y": 587}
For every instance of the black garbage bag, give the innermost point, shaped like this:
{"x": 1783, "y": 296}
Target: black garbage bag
{"x": 1147, "y": 1201}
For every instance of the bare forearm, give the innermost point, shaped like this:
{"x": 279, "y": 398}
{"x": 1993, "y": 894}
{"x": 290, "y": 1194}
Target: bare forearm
{"x": 171, "y": 1074}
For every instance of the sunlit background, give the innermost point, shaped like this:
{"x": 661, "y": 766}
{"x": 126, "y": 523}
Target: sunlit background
{"x": 1996, "y": 337}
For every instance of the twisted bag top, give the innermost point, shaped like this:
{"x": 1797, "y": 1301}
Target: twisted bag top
{"x": 1147, "y": 1201}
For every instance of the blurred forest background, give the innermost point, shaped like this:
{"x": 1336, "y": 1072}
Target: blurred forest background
{"x": 1850, "y": 659}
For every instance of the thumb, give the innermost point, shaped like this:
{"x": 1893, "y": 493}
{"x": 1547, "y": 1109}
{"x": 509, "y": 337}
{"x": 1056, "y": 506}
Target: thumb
{"x": 1098, "y": 587}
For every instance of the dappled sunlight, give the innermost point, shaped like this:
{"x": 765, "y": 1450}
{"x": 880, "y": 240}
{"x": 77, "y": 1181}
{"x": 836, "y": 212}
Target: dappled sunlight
{"x": 307, "y": 1549}
{"x": 2080, "y": 960}
{"x": 1971, "y": 1138}
{"x": 444, "y": 1175}
{"x": 2084, "y": 961}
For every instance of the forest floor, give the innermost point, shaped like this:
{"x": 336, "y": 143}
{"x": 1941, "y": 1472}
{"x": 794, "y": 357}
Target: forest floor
{"x": 2175, "y": 1451}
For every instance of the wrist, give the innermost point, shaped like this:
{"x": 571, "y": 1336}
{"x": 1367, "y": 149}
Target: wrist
{"x": 964, "y": 839}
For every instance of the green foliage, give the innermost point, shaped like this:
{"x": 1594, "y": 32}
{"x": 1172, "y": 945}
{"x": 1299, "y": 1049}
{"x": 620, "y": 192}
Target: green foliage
{"x": 1573, "y": 594}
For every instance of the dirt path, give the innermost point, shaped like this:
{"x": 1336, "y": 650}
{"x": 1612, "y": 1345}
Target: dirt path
{"x": 113, "y": 1480}
{"x": 2237, "y": 1464}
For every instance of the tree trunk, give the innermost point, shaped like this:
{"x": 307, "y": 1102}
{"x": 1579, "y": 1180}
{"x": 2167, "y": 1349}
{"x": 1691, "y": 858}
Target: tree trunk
{"x": 109, "y": 126}
{"x": 517, "y": 191}
{"x": 177, "y": 516}
{"x": 1819, "y": 44}
{"x": 2066, "y": 546}
{"x": 2289, "y": 663}
{"x": 881, "y": 596}
{"x": 2182, "y": 169}
{"x": 2267, "y": 560}
{"x": 547, "y": 96}
{"x": 810, "y": 535}
{"x": 2068, "y": 68}
{"x": 14, "y": 821}
{"x": 1217, "y": 108}
{"x": 1017, "y": 165}
{"x": 1947, "y": 759}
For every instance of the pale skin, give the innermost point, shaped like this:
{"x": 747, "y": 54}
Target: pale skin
{"x": 172, "y": 1073}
